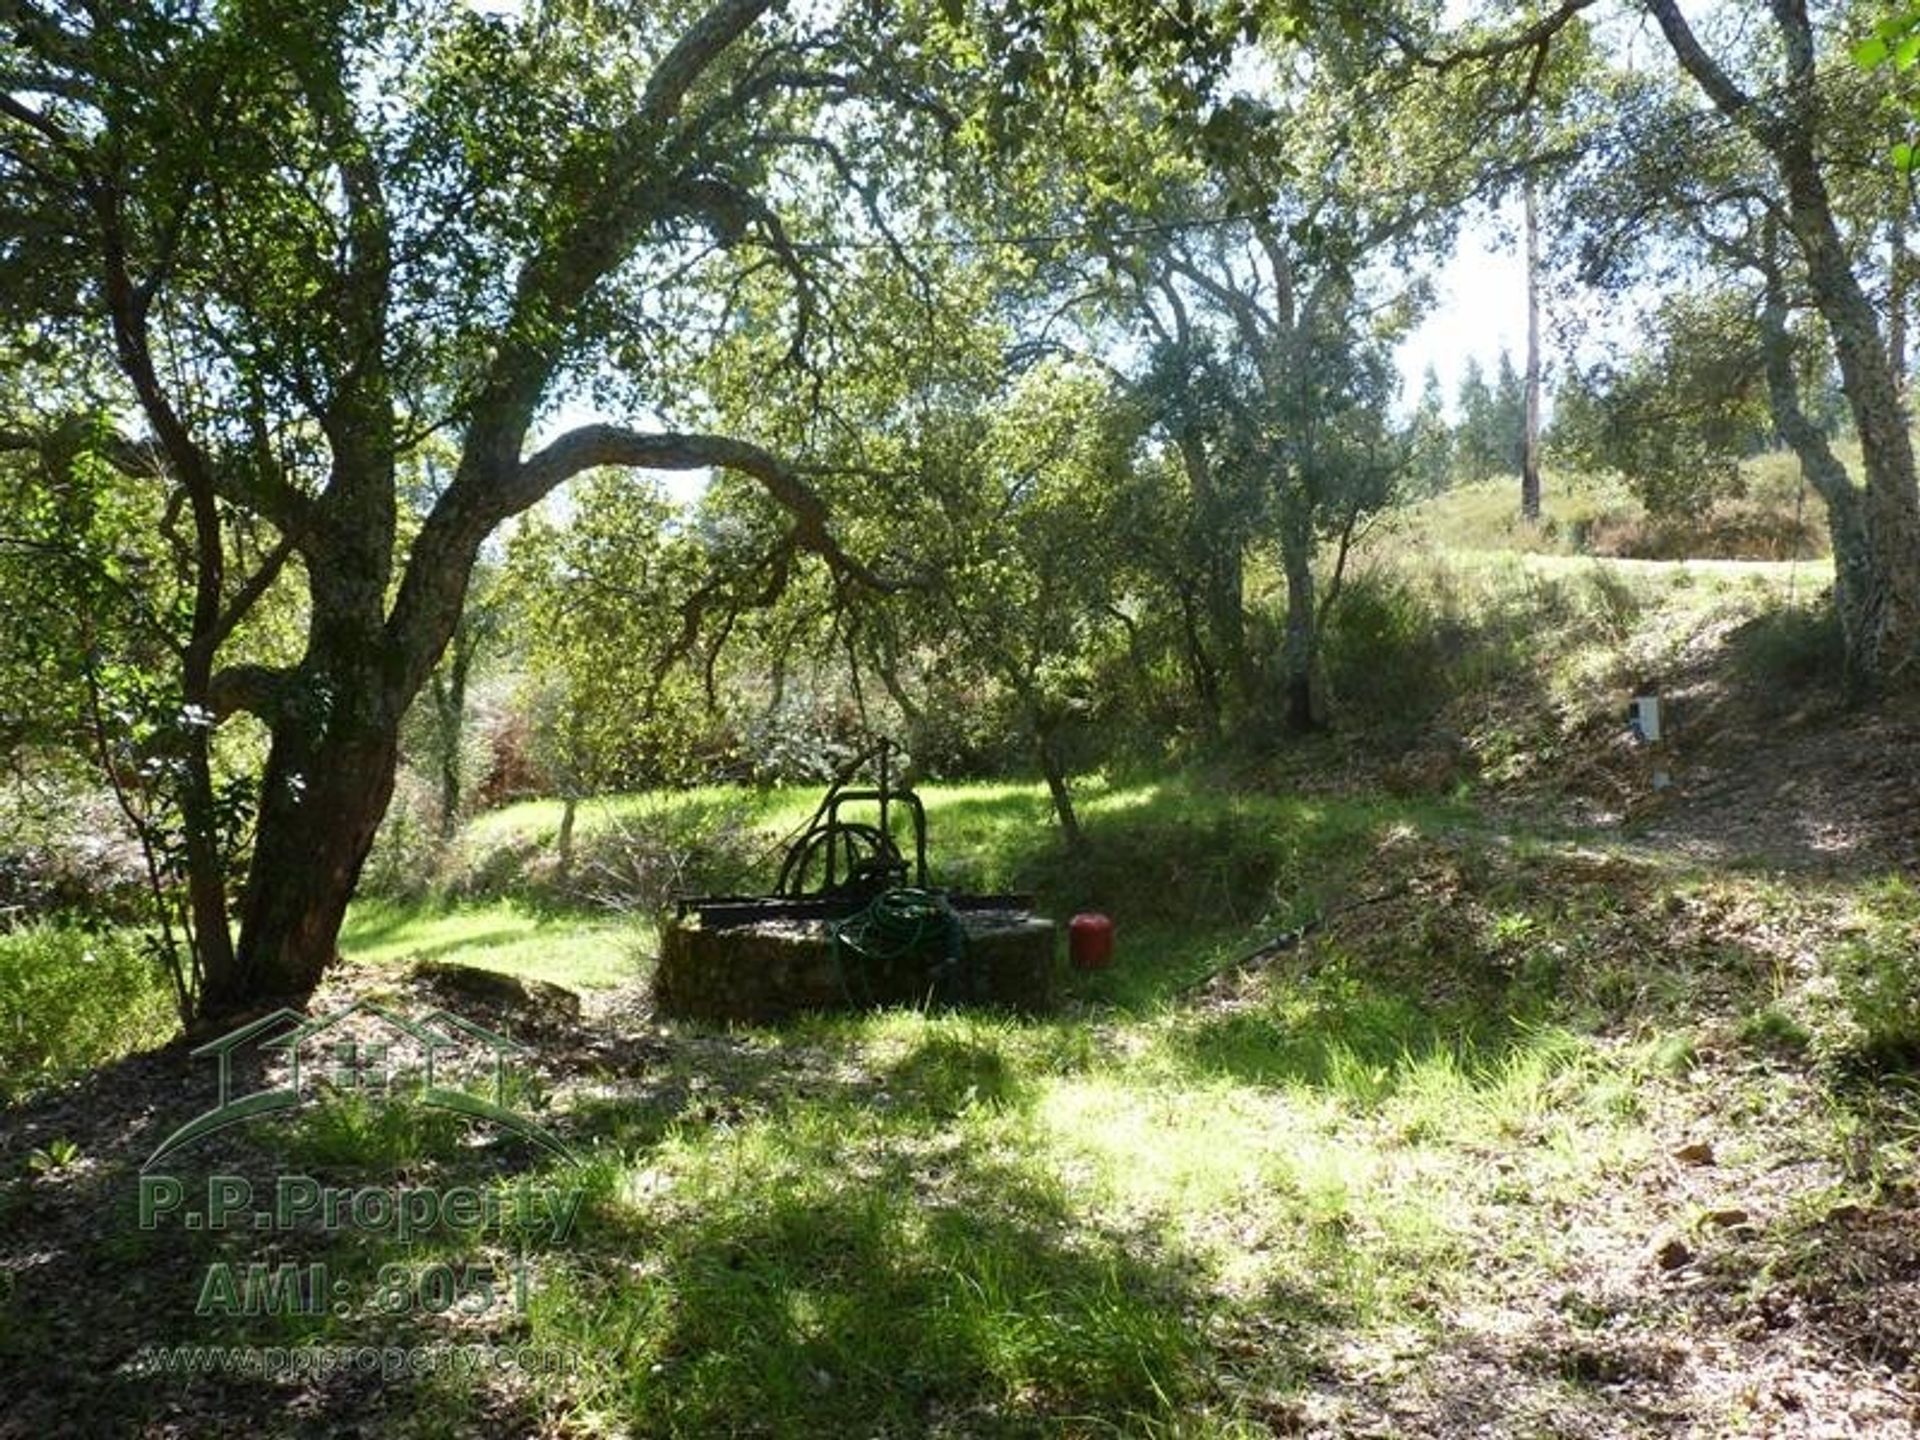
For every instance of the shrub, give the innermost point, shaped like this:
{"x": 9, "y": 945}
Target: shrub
{"x": 627, "y": 853}
{"x": 1615, "y": 600}
{"x": 408, "y": 850}
{"x": 1384, "y": 651}
{"x": 1792, "y": 650}
{"x": 64, "y": 848}
{"x": 71, "y": 1000}
{"x": 1873, "y": 1005}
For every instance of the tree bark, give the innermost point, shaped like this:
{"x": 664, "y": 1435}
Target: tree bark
{"x": 1530, "y": 440}
{"x": 1299, "y": 644}
{"x": 321, "y": 805}
{"x": 563, "y": 844}
{"x": 1887, "y": 605}
{"x": 1886, "y": 601}
{"x": 449, "y": 691}
{"x": 1853, "y": 582}
{"x": 1214, "y": 545}
{"x": 1899, "y": 282}
{"x": 1053, "y": 766}
{"x": 1202, "y": 677}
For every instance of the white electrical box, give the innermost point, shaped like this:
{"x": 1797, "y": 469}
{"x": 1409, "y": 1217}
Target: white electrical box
{"x": 1643, "y": 715}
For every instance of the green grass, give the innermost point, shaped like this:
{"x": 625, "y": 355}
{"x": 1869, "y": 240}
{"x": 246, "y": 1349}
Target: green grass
{"x": 1588, "y": 514}
{"x": 72, "y": 1000}
{"x": 1150, "y": 1214}
{"x": 1165, "y": 1222}
{"x": 582, "y": 951}
{"x": 1165, "y": 849}
{"x": 1485, "y": 515}
{"x": 1155, "y": 1213}
{"x": 1156, "y": 1217}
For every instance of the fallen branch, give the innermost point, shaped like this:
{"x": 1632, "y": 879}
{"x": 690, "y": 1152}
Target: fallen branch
{"x": 1288, "y": 940}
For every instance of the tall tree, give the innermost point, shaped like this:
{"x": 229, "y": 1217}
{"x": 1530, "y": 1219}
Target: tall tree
{"x": 311, "y": 236}
{"x": 1692, "y": 199}
{"x": 1530, "y": 424}
{"x": 1492, "y": 419}
{"x": 1430, "y": 436}
{"x": 1786, "y": 124}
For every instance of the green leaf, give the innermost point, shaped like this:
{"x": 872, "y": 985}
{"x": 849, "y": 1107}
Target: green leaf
{"x": 1903, "y": 156}
{"x": 1870, "y": 52}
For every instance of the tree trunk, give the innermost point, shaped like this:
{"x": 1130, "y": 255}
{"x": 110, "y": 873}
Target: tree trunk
{"x": 208, "y": 933}
{"x": 1899, "y": 282}
{"x": 449, "y": 690}
{"x": 569, "y": 811}
{"x": 1853, "y": 581}
{"x": 320, "y": 806}
{"x": 1301, "y": 642}
{"x": 1886, "y": 604}
{"x": 332, "y": 758}
{"x": 1202, "y": 677}
{"x": 1214, "y": 544}
{"x": 1887, "y": 607}
{"x": 1530, "y": 441}
{"x": 1054, "y": 768}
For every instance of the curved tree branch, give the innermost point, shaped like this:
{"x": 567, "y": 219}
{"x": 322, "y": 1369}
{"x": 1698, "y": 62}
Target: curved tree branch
{"x": 590, "y": 446}
{"x": 256, "y": 689}
{"x": 1728, "y": 98}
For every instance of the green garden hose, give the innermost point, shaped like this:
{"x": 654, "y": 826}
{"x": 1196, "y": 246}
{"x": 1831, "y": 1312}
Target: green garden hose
{"x": 900, "y": 923}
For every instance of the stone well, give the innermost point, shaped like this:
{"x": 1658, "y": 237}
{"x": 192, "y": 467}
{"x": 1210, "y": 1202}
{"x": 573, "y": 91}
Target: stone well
{"x": 773, "y": 969}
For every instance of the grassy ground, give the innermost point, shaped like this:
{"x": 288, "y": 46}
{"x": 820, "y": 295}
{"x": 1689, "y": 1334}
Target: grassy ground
{"x": 1583, "y": 1113}
{"x": 584, "y": 951}
{"x": 72, "y": 998}
{"x": 1530, "y": 1144}
{"x": 1775, "y": 518}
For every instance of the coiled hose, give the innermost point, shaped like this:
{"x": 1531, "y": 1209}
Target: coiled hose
{"x": 899, "y": 923}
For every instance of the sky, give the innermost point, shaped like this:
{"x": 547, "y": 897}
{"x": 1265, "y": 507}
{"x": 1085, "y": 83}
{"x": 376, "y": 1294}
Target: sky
{"x": 1480, "y": 307}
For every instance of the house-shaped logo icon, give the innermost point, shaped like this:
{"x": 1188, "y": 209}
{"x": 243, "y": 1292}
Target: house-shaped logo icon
{"x": 438, "y": 1059}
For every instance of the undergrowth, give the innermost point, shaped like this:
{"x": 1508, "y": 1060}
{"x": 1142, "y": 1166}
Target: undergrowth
{"x": 73, "y": 999}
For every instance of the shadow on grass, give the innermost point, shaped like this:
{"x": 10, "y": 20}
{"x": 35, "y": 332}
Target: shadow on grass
{"x": 1354, "y": 1042}
{"x": 86, "y": 1288}
{"x": 1175, "y": 854}
{"x": 827, "y": 1273}
{"x": 486, "y": 939}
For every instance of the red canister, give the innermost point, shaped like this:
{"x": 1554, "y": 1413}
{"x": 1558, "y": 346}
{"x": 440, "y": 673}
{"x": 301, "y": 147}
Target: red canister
{"x": 1090, "y": 941}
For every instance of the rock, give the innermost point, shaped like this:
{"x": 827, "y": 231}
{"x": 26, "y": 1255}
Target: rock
{"x": 1730, "y": 1218}
{"x": 1694, "y": 1152}
{"x": 510, "y": 996}
{"x": 1670, "y": 1252}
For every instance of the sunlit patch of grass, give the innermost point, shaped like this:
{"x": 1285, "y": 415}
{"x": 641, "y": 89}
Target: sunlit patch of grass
{"x": 1278, "y": 1191}
{"x": 1159, "y": 852}
{"x": 73, "y": 999}
{"x": 578, "y": 951}
{"x": 1866, "y": 1008}
{"x": 1583, "y": 512}
{"x": 1485, "y": 515}
{"x": 1166, "y": 1211}
{"x": 838, "y": 1268}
